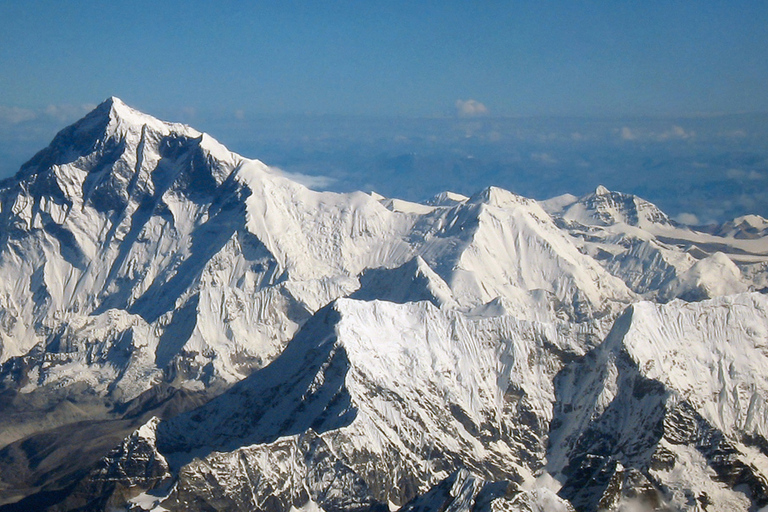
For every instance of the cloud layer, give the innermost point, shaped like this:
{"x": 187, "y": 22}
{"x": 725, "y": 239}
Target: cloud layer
{"x": 470, "y": 108}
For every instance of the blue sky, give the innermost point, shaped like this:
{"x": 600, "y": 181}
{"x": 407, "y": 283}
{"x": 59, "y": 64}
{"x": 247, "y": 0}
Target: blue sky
{"x": 389, "y": 57}
{"x": 665, "y": 99}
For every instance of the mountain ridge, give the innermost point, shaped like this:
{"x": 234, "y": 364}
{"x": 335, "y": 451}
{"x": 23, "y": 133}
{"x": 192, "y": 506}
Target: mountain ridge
{"x": 279, "y": 348}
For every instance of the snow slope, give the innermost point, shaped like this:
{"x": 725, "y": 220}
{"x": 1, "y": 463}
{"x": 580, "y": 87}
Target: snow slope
{"x": 127, "y": 214}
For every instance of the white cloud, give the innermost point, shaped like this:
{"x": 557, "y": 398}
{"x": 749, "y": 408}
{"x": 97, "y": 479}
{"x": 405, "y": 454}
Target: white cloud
{"x": 470, "y": 108}
{"x": 15, "y": 115}
{"x": 738, "y": 133}
{"x": 67, "y": 113}
{"x": 56, "y": 114}
{"x": 676, "y": 132}
{"x": 543, "y": 158}
{"x": 627, "y": 133}
{"x": 741, "y": 174}
{"x": 687, "y": 218}
{"x": 309, "y": 181}
{"x": 679, "y": 131}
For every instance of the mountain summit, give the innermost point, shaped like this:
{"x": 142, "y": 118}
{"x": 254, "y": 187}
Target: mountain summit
{"x": 127, "y": 216}
{"x": 184, "y": 328}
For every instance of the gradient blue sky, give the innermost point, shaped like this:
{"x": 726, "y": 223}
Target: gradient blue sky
{"x": 577, "y": 93}
{"x": 390, "y": 57}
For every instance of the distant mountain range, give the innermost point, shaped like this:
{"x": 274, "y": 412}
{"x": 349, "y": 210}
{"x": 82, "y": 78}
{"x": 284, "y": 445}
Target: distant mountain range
{"x": 183, "y": 328}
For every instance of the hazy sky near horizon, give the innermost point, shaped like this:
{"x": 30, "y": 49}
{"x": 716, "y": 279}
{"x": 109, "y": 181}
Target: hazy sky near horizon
{"x": 390, "y": 57}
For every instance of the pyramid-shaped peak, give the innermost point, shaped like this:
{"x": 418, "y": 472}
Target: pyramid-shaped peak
{"x": 113, "y": 102}
{"x": 447, "y": 198}
{"x": 110, "y": 129}
{"x": 755, "y": 221}
{"x": 499, "y": 197}
{"x": 113, "y": 107}
{"x": 604, "y": 207}
{"x": 116, "y": 113}
{"x": 119, "y": 108}
{"x": 413, "y": 281}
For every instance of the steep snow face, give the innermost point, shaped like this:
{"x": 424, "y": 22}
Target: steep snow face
{"x": 98, "y": 217}
{"x": 127, "y": 214}
{"x": 478, "y": 394}
{"x": 498, "y": 244}
{"x": 447, "y": 198}
{"x": 672, "y": 405}
{"x": 322, "y": 234}
{"x": 713, "y": 354}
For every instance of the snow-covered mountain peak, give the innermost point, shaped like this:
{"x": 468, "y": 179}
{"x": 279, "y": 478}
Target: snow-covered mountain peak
{"x": 108, "y": 215}
{"x": 114, "y": 121}
{"x": 605, "y": 207}
{"x": 117, "y": 110}
{"x": 117, "y": 160}
{"x": 495, "y": 196}
{"x": 362, "y": 349}
{"x": 447, "y": 198}
{"x": 755, "y": 221}
{"x": 393, "y": 386}
{"x": 558, "y": 204}
{"x": 601, "y": 191}
{"x": 413, "y": 281}
{"x": 712, "y": 276}
{"x": 746, "y": 227}
{"x": 113, "y": 139}
{"x": 657, "y": 257}
{"x": 511, "y": 233}
{"x": 125, "y": 118}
